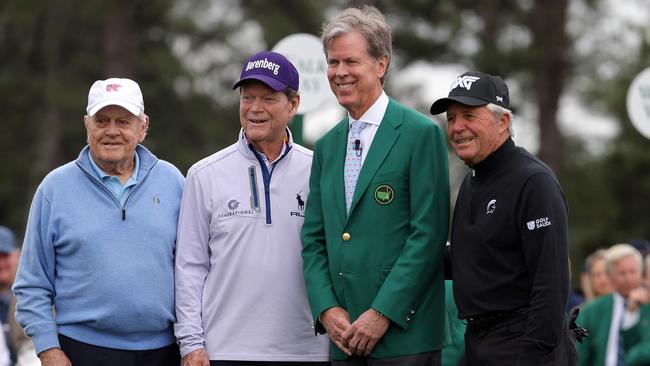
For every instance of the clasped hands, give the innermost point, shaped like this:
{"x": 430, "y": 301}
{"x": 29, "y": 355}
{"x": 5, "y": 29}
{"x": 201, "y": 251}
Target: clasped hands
{"x": 358, "y": 338}
{"x": 637, "y": 298}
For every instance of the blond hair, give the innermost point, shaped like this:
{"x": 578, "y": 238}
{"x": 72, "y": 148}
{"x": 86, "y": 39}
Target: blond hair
{"x": 619, "y": 251}
{"x": 372, "y": 25}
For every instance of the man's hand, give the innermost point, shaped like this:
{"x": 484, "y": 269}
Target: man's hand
{"x": 361, "y": 337}
{"x": 336, "y": 320}
{"x": 54, "y": 357}
{"x": 637, "y": 297}
{"x": 198, "y": 357}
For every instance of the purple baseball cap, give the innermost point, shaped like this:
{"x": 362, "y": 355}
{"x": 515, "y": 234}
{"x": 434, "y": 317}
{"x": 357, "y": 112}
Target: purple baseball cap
{"x": 271, "y": 68}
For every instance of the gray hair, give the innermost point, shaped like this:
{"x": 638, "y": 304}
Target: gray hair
{"x": 290, "y": 93}
{"x": 498, "y": 112}
{"x": 620, "y": 251}
{"x": 368, "y": 21}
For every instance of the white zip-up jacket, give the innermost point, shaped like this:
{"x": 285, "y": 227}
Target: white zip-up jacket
{"x": 240, "y": 290}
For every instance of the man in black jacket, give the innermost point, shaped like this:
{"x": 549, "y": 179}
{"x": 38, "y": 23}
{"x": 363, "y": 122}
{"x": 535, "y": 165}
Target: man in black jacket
{"x": 509, "y": 257}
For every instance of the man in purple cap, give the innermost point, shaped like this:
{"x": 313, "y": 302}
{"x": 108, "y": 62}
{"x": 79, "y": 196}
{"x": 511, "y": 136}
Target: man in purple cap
{"x": 240, "y": 291}
{"x": 99, "y": 245}
{"x": 509, "y": 257}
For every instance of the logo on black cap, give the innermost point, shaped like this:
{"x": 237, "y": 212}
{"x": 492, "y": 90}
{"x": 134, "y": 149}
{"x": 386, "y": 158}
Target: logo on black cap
{"x": 464, "y": 82}
{"x": 474, "y": 89}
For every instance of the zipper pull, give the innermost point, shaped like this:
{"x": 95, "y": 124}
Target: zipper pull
{"x": 123, "y": 214}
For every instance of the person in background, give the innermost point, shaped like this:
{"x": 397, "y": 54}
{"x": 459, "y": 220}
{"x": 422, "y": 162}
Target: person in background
{"x": 95, "y": 283}
{"x": 618, "y": 323}
{"x": 646, "y": 277}
{"x": 240, "y": 291}
{"x": 595, "y": 281}
{"x": 575, "y": 298}
{"x": 9, "y": 255}
{"x": 377, "y": 218}
{"x": 509, "y": 250}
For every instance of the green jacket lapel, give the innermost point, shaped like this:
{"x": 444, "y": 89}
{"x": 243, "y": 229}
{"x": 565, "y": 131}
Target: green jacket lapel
{"x": 338, "y": 154}
{"x": 381, "y": 145}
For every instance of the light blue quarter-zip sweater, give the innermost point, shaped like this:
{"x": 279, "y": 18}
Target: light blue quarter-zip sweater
{"x": 107, "y": 268}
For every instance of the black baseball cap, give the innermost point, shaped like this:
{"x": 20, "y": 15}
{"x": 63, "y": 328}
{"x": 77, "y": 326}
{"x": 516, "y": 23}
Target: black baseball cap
{"x": 474, "y": 88}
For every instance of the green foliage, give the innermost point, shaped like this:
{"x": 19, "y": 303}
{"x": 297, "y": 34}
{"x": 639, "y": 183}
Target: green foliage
{"x": 53, "y": 51}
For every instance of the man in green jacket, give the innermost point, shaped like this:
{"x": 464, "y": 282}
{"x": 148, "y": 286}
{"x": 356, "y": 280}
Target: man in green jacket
{"x": 377, "y": 216}
{"x": 618, "y": 323}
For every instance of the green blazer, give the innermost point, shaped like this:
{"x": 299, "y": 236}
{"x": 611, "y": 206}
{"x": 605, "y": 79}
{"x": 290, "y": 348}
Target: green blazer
{"x": 596, "y": 317}
{"x": 388, "y": 252}
{"x": 455, "y": 352}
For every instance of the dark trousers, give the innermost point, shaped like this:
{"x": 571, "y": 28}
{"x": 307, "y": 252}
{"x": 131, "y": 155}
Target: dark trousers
{"x": 266, "y": 363}
{"x": 498, "y": 342}
{"x": 83, "y": 354}
{"x": 420, "y": 359}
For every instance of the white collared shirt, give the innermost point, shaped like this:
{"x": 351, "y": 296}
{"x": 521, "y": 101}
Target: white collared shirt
{"x": 269, "y": 164}
{"x": 628, "y": 321}
{"x": 372, "y": 117}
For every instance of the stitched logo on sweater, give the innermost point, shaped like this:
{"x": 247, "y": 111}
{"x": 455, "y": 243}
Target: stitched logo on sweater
{"x": 491, "y": 206}
{"x": 301, "y": 203}
{"x": 233, "y": 204}
{"x": 538, "y": 223}
{"x": 384, "y": 194}
{"x": 301, "y": 206}
{"x": 234, "y": 209}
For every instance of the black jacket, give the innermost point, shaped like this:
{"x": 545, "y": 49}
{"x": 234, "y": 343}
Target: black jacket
{"x": 509, "y": 244}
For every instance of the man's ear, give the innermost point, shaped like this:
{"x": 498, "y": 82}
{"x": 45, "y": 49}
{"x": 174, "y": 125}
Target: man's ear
{"x": 504, "y": 122}
{"x": 145, "y": 127}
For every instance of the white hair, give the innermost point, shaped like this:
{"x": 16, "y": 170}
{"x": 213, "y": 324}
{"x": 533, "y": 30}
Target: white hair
{"x": 498, "y": 112}
{"x": 619, "y": 251}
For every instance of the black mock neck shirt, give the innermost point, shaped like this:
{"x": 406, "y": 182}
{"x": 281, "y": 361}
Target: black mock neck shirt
{"x": 509, "y": 241}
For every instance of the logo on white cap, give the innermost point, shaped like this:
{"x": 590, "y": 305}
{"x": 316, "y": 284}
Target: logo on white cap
{"x": 125, "y": 93}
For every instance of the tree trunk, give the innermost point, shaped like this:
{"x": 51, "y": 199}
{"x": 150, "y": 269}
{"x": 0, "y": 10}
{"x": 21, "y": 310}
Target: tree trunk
{"x": 550, "y": 67}
{"x": 49, "y": 136}
{"x": 119, "y": 42}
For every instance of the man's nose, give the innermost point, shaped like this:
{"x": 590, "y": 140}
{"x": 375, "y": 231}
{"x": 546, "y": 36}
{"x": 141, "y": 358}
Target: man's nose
{"x": 112, "y": 129}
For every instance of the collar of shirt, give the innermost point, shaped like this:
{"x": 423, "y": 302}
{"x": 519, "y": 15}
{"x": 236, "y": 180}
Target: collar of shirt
{"x": 375, "y": 113}
{"x": 628, "y": 319}
{"x": 268, "y": 163}
{"x": 112, "y": 182}
{"x": 372, "y": 117}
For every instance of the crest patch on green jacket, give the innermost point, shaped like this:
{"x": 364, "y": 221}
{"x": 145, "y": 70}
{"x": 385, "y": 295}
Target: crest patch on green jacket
{"x": 384, "y": 194}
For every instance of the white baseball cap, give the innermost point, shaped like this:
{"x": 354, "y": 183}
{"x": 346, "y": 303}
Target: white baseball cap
{"x": 115, "y": 91}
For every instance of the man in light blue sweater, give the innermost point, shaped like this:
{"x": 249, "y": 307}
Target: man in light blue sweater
{"x": 95, "y": 283}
